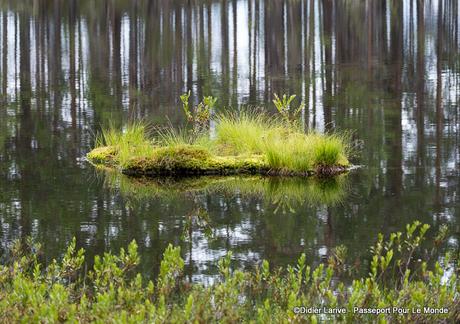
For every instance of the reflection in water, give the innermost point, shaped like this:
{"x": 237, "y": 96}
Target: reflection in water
{"x": 387, "y": 70}
{"x": 285, "y": 193}
{"x": 204, "y": 233}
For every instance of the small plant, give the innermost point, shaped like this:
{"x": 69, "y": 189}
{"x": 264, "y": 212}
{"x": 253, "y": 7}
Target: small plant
{"x": 283, "y": 105}
{"x": 186, "y": 105}
{"x": 123, "y": 144}
{"x": 337, "y": 260}
{"x": 395, "y": 261}
{"x": 199, "y": 115}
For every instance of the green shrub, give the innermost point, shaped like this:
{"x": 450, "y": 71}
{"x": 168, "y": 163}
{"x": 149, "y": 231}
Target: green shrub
{"x": 199, "y": 115}
{"x": 283, "y": 105}
{"x": 112, "y": 291}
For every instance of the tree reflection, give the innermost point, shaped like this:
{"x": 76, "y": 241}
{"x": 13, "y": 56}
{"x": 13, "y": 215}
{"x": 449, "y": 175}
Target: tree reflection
{"x": 387, "y": 70}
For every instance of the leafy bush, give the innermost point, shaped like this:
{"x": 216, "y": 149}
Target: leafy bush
{"x": 283, "y": 105}
{"x": 112, "y": 292}
{"x": 199, "y": 115}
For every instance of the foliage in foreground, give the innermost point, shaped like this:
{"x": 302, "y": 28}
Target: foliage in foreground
{"x": 112, "y": 292}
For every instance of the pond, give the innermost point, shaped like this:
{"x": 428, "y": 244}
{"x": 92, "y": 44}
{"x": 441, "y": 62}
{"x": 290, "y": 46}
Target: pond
{"x": 387, "y": 71}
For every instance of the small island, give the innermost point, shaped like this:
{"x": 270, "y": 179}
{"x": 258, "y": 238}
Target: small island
{"x": 243, "y": 143}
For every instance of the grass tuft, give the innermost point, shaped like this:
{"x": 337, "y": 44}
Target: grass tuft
{"x": 283, "y": 145}
{"x": 244, "y": 133}
{"x": 131, "y": 141}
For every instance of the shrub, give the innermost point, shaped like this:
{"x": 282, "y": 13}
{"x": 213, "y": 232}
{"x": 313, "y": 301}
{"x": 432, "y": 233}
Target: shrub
{"x": 283, "y": 105}
{"x": 112, "y": 291}
{"x": 199, "y": 115}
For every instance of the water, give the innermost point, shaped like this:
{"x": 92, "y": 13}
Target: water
{"x": 386, "y": 70}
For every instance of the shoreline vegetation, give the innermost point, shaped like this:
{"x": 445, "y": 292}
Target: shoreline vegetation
{"x": 406, "y": 283}
{"x": 239, "y": 143}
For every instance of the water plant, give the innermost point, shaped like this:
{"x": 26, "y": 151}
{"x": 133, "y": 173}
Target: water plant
{"x": 112, "y": 291}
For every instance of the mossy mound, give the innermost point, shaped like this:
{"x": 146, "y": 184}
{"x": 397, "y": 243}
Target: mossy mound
{"x": 190, "y": 160}
{"x": 181, "y": 160}
{"x": 104, "y": 155}
{"x": 246, "y": 144}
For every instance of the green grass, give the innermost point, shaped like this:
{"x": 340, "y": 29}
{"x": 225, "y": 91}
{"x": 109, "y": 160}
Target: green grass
{"x": 244, "y": 133}
{"x": 284, "y": 146}
{"x": 132, "y": 141}
{"x": 401, "y": 273}
{"x": 278, "y": 146}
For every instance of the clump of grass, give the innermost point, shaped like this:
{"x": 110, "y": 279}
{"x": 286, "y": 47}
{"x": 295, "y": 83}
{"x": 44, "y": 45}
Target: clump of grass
{"x": 245, "y": 132}
{"x": 331, "y": 149}
{"x": 291, "y": 152}
{"x": 133, "y": 134}
{"x": 133, "y": 140}
{"x": 280, "y": 142}
{"x": 171, "y": 136}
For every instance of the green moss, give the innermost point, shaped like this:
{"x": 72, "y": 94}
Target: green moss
{"x": 103, "y": 155}
{"x": 192, "y": 160}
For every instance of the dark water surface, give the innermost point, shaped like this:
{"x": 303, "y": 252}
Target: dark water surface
{"x": 387, "y": 70}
